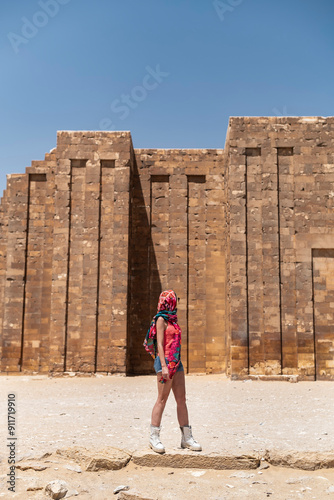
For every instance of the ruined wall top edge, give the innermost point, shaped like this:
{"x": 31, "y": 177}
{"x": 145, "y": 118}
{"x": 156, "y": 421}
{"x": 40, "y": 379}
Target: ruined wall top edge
{"x": 280, "y": 119}
{"x": 94, "y": 133}
{"x": 178, "y": 150}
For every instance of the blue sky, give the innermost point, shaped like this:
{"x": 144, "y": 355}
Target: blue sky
{"x": 170, "y": 71}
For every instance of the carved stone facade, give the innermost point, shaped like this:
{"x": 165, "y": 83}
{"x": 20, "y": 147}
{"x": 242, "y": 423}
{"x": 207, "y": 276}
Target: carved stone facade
{"x": 244, "y": 235}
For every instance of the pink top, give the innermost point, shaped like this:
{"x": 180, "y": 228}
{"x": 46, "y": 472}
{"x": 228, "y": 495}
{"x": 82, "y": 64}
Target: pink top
{"x": 169, "y": 337}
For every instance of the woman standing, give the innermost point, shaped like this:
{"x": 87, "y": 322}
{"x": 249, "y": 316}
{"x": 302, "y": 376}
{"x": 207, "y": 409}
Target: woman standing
{"x": 163, "y": 342}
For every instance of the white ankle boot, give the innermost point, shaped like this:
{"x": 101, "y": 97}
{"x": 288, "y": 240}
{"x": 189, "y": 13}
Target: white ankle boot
{"x": 155, "y": 442}
{"x": 187, "y": 440}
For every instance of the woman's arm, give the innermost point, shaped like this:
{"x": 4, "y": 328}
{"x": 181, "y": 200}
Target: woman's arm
{"x": 161, "y": 327}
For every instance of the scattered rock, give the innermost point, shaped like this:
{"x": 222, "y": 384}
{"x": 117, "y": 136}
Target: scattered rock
{"x": 264, "y": 465}
{"x": 57, "y": 489}
{"x": 121, "y": 488}
{"x": 330, "y": 489}
{"x": 36, "y": 467}
{"x": 132, "y": 494}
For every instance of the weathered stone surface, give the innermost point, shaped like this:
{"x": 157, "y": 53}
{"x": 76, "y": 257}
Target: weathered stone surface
{"x": 188, "y": 459}
{"x": 275, "y": 378}
{"x": 107, "y": 463}
{"x": 95, "y": 460}
{"x": 301, "y": 460}
{"x": 31, "y": 465}
{"x": 132, "y": 494}
{"x": 33, "y": 457}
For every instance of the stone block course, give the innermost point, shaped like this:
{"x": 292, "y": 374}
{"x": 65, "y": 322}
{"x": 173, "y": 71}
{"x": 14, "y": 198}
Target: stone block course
{"x": 91, "y": 235}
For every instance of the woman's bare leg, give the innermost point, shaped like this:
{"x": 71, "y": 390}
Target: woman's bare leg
{"x": 179, "y": 390}
{"x": 163, "y": 393}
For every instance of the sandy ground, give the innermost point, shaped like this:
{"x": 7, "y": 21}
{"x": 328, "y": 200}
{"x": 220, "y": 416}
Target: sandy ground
{"x": 231, "y": 417}
{"x": 184, "y": 484}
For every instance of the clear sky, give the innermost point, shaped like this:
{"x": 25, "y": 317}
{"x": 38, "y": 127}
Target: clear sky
{"x": 170, "y": 71}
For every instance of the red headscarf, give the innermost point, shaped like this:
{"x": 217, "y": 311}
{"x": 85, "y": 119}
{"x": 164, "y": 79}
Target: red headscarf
{"x": 167, "y": 301}
{"x": 167, "y": 309}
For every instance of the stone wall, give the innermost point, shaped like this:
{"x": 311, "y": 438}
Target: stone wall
{"x": 245, "y": 236}
{"x": 281, "y": 191}
{"x": 64, "y": 262}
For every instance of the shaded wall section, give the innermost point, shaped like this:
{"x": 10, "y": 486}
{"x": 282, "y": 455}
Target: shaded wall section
{"x": 178, "y": 241}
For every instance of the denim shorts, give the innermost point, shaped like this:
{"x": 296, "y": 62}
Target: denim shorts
{"x": 158, "y": 368}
